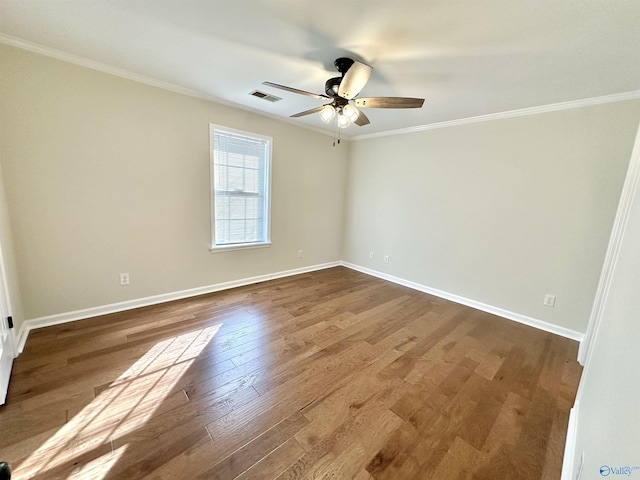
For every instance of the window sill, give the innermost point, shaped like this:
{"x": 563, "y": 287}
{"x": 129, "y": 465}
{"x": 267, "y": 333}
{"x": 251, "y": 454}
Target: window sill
{"x": 240, "y": 246}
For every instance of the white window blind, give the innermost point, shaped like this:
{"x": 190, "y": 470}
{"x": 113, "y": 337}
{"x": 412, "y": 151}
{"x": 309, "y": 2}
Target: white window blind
{"x": 240, "y": 176}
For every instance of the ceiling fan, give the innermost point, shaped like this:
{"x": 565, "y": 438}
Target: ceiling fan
{"x": 343, "y": 90}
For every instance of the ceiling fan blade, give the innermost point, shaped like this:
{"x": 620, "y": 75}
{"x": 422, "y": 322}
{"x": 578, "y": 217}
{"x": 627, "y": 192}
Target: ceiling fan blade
{"x": 294, "y": 90}
{"x": 354, "y": 80}
{"x": 389, "y": 102}
{"x": 308, "y": 112}
{"x": 362, "y": 119}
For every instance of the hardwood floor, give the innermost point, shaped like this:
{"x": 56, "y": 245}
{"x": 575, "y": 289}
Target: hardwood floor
{"x": 331, "y": 374}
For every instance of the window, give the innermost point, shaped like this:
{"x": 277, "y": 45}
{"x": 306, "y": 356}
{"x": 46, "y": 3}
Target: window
{"x": 240, "y": 178}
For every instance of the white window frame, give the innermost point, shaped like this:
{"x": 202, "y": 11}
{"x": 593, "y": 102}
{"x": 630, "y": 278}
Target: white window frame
{"x": 267, "y": 221}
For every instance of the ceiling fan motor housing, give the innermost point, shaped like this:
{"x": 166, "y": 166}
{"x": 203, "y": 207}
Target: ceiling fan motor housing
{"x": 343, "y": 64}
{"x": 332, "y": 85}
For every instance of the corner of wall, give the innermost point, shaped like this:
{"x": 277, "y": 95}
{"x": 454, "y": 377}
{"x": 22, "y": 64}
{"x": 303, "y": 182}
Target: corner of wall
{"x": 8, "y": 271}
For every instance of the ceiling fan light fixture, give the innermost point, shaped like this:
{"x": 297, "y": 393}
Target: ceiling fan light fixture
{"x": 327, "y": 113}
{"x": 351, "y": 112}
{"x": 343, "y": 120}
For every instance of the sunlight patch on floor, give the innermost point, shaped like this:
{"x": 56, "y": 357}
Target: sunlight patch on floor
{"x": 128, "y": 403}
{"x": 99, "y": 467}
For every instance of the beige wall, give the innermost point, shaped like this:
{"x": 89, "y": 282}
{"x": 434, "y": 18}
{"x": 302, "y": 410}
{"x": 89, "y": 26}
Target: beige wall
{"x": 104, "y": 175}
{"x": 500, "y": 212}
{"x": 607, "y": 417}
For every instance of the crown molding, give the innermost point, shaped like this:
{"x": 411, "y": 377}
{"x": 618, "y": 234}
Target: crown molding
{"x": 103, "y": 67}
{"x": 136, "y": 77}
{"x": 553, "y": 107}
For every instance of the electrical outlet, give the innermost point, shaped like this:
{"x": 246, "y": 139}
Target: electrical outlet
{"x": 299, "y": 253}
{"x": 371, "y": 255}
{"x": 124, "y": 279}
{"x": 386, "y": 259}
{"x": 549, "y": 300}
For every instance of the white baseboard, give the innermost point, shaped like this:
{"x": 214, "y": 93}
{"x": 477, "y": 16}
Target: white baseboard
{"x": 532, "y": 322}
{"x": 59, "y": 318}
{"x": 21, "y": 337}
{"x": 569, "y": 459}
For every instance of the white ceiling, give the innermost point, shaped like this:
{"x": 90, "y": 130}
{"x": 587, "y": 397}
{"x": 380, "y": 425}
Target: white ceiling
{"x": 466, "y": 58}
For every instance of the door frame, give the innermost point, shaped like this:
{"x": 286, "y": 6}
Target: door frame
{"x": 5, "y": 312}
{"x": 629, "y": 189}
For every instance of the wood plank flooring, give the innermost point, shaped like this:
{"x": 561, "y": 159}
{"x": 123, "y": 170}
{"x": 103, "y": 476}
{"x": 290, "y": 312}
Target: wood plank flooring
{"x": 331, "y": 374}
